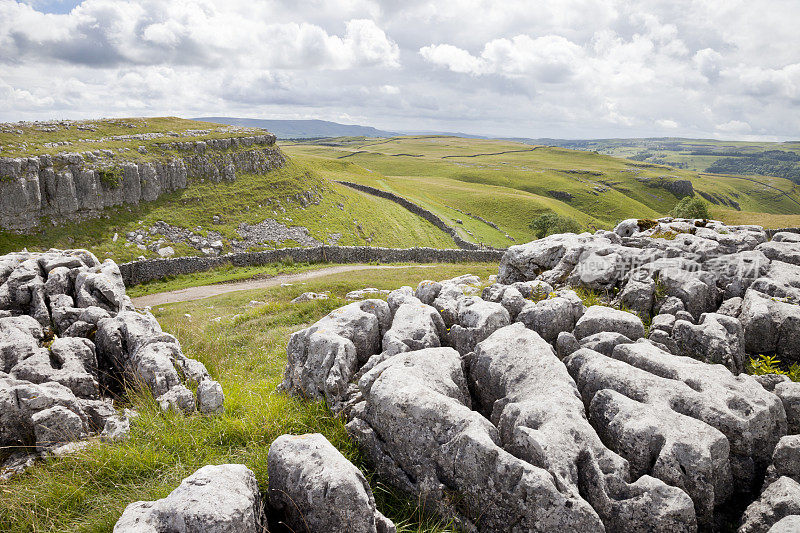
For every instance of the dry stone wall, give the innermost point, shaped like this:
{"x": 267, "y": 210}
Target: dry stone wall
{"x": 73, "y": 185}
{"x": 137, "y": 272}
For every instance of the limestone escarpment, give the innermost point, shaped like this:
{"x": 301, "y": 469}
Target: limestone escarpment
{"x": 81, "y": 185}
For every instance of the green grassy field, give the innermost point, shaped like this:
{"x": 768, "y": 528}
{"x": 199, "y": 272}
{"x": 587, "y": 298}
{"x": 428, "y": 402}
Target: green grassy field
{"x": 88, "y": 490}
{"x": 509, "y": 183}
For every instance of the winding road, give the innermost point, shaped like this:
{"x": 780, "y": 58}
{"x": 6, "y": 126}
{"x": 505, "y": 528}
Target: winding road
{"x": 206, "y": 291}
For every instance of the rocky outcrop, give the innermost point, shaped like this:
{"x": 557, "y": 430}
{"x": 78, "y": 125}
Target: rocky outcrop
{"x": 70, "y": 340}
{"x": 536, "y": 413}
{"x": 72, "y": 185}
{"x": 314, "y": 488}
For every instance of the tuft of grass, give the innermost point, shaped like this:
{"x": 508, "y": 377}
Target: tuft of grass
{"x": 769, "y": 364}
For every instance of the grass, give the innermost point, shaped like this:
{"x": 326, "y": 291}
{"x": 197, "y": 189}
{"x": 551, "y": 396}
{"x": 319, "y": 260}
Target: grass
{"x": 87, "y": 491}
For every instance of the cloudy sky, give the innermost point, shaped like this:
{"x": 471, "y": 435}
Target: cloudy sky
{"x": 566, "y": 68}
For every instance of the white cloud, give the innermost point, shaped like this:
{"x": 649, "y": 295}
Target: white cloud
{"x": 734, "y": 126}
{"x": 573, "y": 68}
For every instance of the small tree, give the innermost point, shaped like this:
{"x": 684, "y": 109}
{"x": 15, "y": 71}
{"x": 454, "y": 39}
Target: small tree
{"x": 551, "y": 223}
{"x": 691, "y": 207}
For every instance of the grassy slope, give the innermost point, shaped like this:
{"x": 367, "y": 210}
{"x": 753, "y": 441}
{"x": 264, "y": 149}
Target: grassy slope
{"x": 87, "y": 491}
{"x": 245, "y": 200}
{"x": 508, "y": 183}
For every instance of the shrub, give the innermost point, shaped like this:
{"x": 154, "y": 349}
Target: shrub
{"x": 691, "y": 207}
{"x": 110, "y": 177}
{"x": 551, "y": 223}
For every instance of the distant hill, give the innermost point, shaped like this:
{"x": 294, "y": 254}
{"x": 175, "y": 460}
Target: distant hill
{"x": 302, "y": 129}
{"x": 781, "y": 159}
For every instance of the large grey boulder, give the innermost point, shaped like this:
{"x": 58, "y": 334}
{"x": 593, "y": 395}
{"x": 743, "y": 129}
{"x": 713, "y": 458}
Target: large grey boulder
{"x": 599, "y": 318}
{"x": 550, "y": 317}
{"x": 417, "y": 428}
{"x": 415, "y": 326}
{"x": 696, "y": 289}
{"x": 779, "y": 500}
{"x": 215, "y": 499}
{"x": 525, "y": 262}
{"x": 476, "y": 320}
{"x": 789, "y": 393}
{"x": 786, "y": 251}
{"x": 736, "y": 272}
{"x": 717, "y": 339}
{"x": 315, "y": 489}
{"x": 770, "y": 325}
{"x": 323, "y": 358}
{"x": 509, "y": 297}
{"x": 782, "y": 280}
{"x": 134, "y": 345}
{"x": 785, "y": 460}
{"x": 787, "y": 524}
{"x": 427, "y": 291}
{"x": 527, "y": 393}
{"x": 100, "y": 286}
{"x": 604, "y": 341}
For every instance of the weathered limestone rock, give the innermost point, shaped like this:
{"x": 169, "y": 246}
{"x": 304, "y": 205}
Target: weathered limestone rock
{"x": 68, "y": 186}
{"x": 598, "y": 319}
{"x": 415, "y": 326}
{"x": 528, "y": 394}
{"x": 785, "y": 251}
{"x": 639, "y": 296}
{"x": 779, "y": 500}
{"x": 789, "y": 393}
{"x": 69, "y": 361}
{"x": 21, "y": 403}
{"x": 770, "y": 325}
{"x": 787, "y": 524}
{"x": 550, "y": 317}
{"x": 508, "y": 296}
{"x": 714, "y": 428}
{"x": 526, "y": 261}
{"x": 604, "y": 341}
{"x": 427, "y": 291}
{"x": 215, "y": 499}
{"x": 415, "y": 402}
{"x": 316, "y": 489}
{"x": 398, "y": 297}
{"x": 134, "y": 346}
{"x": 476, "y": 320}
{"x": 717, "y": 339}
{"x": 735, "y": 273}
{"x": 323, "y": 358}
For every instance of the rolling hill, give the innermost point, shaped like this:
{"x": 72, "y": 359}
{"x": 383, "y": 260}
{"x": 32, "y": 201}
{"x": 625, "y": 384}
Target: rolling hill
{"x": 302, "y": 129}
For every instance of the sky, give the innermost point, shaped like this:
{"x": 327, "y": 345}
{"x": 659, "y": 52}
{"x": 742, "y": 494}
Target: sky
{"x": 563, "y": 69}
